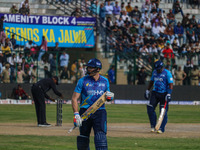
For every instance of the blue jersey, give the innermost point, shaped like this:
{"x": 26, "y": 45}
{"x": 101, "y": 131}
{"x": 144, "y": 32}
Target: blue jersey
{"x": 161, "y": 80}
{"x": 91, "y": 90}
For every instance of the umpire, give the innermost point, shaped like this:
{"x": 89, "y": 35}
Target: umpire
{"x": 38, "y": 91}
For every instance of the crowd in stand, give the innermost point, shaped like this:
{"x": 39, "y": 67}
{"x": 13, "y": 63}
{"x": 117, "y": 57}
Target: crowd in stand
{"x": 23, "y": 8}
{"x": 149, "y": 32}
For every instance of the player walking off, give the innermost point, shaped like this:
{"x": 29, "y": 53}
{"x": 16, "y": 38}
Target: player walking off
{"x": 90, "y": 88}
{"x": 162, "y": 83}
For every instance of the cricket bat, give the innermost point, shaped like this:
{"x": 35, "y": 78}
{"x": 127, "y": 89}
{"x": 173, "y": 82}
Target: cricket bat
{"x": 162, "y": 114}
{"x": 92, "y": 109}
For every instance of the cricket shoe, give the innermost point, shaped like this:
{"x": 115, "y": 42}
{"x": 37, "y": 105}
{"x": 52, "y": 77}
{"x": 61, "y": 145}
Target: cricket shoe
{"x": 159, "y": 132}
{"x": 44, "y": 125}
{"x": 153, "y": 130}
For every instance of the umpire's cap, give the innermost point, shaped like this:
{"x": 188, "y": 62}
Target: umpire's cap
{"x": 56, "y": 78}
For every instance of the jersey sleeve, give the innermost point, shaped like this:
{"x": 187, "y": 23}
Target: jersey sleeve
{"x": 79, "y": 86}
{"x": 169, "y": 77}
{"x": 108, "y": 86}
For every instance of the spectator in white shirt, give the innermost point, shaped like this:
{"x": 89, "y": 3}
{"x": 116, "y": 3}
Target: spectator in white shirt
{"x": 19, "y": 58}
{"x": 120, "y": 22}
{"x": 26, "y": 3}
{"x": 124, "y": 16}
{"x": 147, "y": 26}
{"x": 144, "y": 50}
{"x": 64, "y": 60}
{"x": 156, "y": 31}
{"x": 162, "y": 29}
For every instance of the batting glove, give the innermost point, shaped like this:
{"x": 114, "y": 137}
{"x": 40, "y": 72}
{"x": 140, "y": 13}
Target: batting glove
{"x": 168, "y": 97}
{"x": 147, "y": 94}
{"x": 77, "y": 120}
{"x": 109, "y": 96}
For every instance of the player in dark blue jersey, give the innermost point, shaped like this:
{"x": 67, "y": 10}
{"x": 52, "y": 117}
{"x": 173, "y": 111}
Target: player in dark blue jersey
{"x": 90, "y": 88}
{"x": 162, "y": 83}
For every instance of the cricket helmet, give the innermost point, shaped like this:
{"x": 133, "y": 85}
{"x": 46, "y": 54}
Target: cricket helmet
{"x": 158, "y": 65}
{"x": 94, "y": 63}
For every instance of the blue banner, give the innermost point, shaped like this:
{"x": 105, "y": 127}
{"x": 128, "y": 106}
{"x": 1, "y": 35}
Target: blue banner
{"x": 49, "y": 20}
{"x": 66, "y": 36}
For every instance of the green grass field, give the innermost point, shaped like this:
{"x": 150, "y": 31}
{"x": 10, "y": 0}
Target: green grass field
{"x": 116, "y": 114}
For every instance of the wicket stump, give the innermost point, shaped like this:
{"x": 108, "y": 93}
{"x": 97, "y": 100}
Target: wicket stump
{"x": 59, "y": 112}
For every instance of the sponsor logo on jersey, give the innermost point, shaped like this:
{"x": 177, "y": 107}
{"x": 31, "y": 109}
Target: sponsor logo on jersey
{"x": 162, "y": 75}
{"x": 158, "y": 79}
{"x": 102, "y": 84}
{"x": 95, "y": 92}
{"x": 171, "y": 79}
{"x": 88, "y": 84}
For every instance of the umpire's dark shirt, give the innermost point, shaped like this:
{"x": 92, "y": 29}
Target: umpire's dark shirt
{"x": 46, "y": 85}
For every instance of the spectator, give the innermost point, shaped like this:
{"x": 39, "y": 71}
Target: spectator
{"x": 147, "y": 26}
{"x": 19, "y": 58}
{"x": 47, "y": 73}
{"x": 177, "y": 8}
{"x": 13, "y": 41}
{"x": 20, "y": 74}
{"x": 64, "y": 75}
{"x": 125, "y": 16}
{"x": 197, "y": 32}
{"x": 109, "y": 10}
{"x": 135, "y": 13}
{"x": 24, "y": 64}
{"x": 64, "y": 60}
{"x": 194, "y": 76}
{"x": 190, "y": 34}
{"x": 13, "y": 9}
{"x": 171, "y": 18}
{"x": 168, "y": 52}
{"x": 169, "y": 31}
{"x": 179, "y": 32}
{"x": 20, "y": 93}
{"x": 187, "y": 69}
{"x": 9, "y": 43}
{"x": 102, "y": 13}
{"x": 53, "y": 65}
{"x": 193, "y": 21}
{"x": 12, "y": 61}
{"x": 6, "y": 51}
{"x": 111, "y": 75}
{"x": 130, "y": 75}
{"x": 141, "y": 75}
{"x": 76, "y": 13}
{"x": 180, "y": 75}
{"x": 24, "y": 11}
{"x": 2, "y": 33}
{"x": 29, "y": 60}
{"x": 156, "y": 31}
{"x": 74, "y": 71}
{"x": 43, "y": 48}
{"x": 34, "y": 74}
{"x": 116, "y": 11}
{"x": 5, "y": 75}
{"x": 186, "y": 20}
{"x": 197, "y": 47}
{"x": 25, "y": 3}
{"x": 129, "y": 8}
{"x": 27, "y": 48}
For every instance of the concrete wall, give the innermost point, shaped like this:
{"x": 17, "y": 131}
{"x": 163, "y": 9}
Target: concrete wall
{"x": 121, "y": 91}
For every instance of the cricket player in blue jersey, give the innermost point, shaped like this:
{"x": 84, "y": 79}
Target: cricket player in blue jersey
{"x": 90, "y": 88}
{"x": 162, "y": 83}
